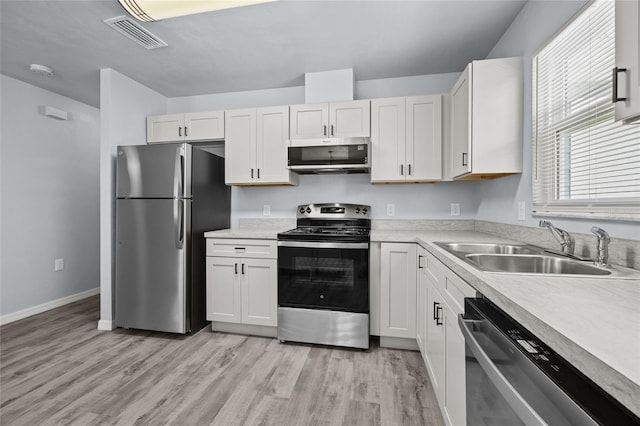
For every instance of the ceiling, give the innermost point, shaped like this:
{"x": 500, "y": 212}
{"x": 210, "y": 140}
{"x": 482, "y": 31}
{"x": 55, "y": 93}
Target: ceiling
{"x": 262, "y": 46}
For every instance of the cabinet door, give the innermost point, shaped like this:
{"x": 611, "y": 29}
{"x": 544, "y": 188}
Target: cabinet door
{"x": 436, "y": 342}
{"x": 628, "y": 57}
{"x": 350, "y": 119}
{"x": 224, "y": 301}
{"x": 240, "y": 146}
{"x": 204, "y": 126}
{"x": 273, "y": 132}
{"x": 165, "y": 128}
{"x": 259, "y": 292}
{"x": 388, "y": 140}
{"x": 309, "y": 121}
{"x": 424, "y": 138}
{"x": 398, "y": 290}
{"x": 455, "y": 403}
{"x": 461, "y": 124}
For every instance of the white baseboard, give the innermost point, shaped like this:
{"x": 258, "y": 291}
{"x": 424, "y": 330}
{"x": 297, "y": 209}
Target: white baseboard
{"x": 106, "y": 325}
{"x": 399, "y": 343}
{"x": 15, "y": 316}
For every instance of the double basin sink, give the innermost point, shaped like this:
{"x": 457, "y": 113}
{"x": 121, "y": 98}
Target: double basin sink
{"x": 529, "y": 259}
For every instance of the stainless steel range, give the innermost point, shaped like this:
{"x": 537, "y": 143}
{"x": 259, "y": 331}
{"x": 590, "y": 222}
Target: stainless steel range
{"x": 323, "y": 276}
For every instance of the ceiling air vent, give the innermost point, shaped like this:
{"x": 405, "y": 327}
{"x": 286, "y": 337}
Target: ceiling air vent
{"x": 135, "y": 32}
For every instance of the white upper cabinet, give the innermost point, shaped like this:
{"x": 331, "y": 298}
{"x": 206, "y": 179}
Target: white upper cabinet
{"x": 627, "y": 59}
{"x": 189, "y": 127}
{"x": 336, "y": 119}
{"x": 256, "y": 147}
{"x": 486, "y": 120}
{"x": 406, "y": 139}
{"x": 203, "y": 126}
{"x": 240, "y": 146}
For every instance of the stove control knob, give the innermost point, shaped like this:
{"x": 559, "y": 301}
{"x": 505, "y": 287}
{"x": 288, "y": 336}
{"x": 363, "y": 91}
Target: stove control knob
{"x": 308, "y": 210}
{"x": 358, "y": 210}
{"x": 322, "y": 296}
{"x": 364, "y": 211}
{"x": 302, "y": 210}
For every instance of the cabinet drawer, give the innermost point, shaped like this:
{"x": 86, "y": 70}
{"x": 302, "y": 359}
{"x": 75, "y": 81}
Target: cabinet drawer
{"x": 455, "y": 290}
{"x": 452, "y": 287}
{"x": 242, "y": 248}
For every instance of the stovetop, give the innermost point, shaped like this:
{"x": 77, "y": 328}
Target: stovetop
{"x": 330, "y": 222}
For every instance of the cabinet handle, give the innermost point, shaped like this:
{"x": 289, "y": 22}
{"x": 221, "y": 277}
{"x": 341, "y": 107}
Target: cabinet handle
{"x": 243, "y": 269}
{"x": 438, "y": 319}
{"x": 325, "y": 130}
{"x": 420, "y": 265}
{"x": 332, "y": 130}
{"x": 179, "y": 130}
{"x": 258, "y": 173}
{"x": 185, "y": 131}
{"x": 401, "y": 169}
{"x": 251, "y": 173}
{"x": 235, "y": 265}
{"x": 615, "y": 97}
{"x": 409, "y": 167}
{"x": 435, "y": 310}
{"x": 464, "y": 158}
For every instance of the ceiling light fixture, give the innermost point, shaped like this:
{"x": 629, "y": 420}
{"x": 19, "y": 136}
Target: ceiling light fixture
{"x": 41, "y": 69}
{"x": 155, "y": 10}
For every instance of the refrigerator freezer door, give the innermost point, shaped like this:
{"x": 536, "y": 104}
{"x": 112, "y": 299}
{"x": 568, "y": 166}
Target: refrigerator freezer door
{"x": 154, "y": 171}
{"x": 152, "y": 273}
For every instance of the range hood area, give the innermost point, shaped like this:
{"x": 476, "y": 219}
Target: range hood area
{"x": 319, "y": 143}
{"x": 329, "y": 155}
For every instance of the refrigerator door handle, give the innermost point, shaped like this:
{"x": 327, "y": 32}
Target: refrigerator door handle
{"x": 178, "y": 223}
{"x": 178, "y": 174}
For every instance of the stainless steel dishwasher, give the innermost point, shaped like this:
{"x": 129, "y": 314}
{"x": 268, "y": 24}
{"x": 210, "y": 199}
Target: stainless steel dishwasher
{"x": 513, "y": 378}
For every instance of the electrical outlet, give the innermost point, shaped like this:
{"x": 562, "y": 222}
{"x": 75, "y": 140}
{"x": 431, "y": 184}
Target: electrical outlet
{"x": 58, "y": 265}
{"x": 521, "y": 210}
{"x": 455, "y": 209}
{"x": 266, "y": 210}
{"x": 391, "y": 209}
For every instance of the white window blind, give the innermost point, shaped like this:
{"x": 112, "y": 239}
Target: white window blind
{"x": 585, "y": 164}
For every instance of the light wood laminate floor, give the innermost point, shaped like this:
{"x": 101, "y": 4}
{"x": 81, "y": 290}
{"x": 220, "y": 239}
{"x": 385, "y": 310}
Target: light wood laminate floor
{"x": 56, "y": 368}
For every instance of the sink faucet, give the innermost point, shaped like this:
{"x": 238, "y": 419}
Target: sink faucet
{"x": 567, "y": 243}
{"x": 602, "y": 259}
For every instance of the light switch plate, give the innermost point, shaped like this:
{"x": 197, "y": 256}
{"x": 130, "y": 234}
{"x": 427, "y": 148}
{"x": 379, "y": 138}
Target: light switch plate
{"x": 455, "y": 209}
{"x": 58, "y": 265}
{"x": 521, "y": 210}
{"x": 266, "y": 210}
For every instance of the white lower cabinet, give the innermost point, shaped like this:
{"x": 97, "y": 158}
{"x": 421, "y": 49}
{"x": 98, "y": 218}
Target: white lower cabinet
{"x": 398, "y": 290}
{"x": 443, "y": 348}
{"x": 242, "y": 289}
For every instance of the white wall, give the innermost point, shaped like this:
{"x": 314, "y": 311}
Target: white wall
{"x": 411, "y": 201}
{"x": 497, "y": 200}
{"x": 124, "y": 106}
{"x": 49, "y": 192}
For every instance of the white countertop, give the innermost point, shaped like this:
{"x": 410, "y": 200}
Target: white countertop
{"x": 594, "y": 323}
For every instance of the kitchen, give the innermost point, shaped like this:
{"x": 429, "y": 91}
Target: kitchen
{"x": 123, "y": 109}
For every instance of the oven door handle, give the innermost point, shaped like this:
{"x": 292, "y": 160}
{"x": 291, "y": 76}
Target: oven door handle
{"x": 517, "y": 402}
{"x": 323, "y": 245}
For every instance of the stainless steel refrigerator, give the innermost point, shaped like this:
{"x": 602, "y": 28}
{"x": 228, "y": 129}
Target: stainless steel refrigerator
{"x": 168, "y": 195}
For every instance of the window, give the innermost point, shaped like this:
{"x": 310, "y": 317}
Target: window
{"x": 585, "y": 164}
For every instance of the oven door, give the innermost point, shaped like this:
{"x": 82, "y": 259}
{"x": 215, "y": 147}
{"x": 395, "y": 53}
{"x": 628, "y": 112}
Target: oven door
{"x": 323, "y": 275}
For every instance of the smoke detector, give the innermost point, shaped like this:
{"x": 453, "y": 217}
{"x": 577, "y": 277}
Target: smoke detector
{"x": 41, "y": 69}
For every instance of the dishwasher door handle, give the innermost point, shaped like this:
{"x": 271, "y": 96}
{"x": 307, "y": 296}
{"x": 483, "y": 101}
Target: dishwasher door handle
{"x": 528, "y": 415}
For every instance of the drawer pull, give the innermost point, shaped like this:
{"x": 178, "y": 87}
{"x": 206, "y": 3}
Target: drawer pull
{"x": 240, "y": 249}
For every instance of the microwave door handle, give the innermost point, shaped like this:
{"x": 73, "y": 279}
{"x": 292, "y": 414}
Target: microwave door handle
{"x": 517, "y": 402}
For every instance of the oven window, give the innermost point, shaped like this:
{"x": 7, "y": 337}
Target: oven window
{"x": 326, "y": 272}
{"x": 323, "y": 278}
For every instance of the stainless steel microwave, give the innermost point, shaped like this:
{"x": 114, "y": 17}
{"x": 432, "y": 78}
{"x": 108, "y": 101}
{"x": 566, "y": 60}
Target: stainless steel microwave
{"x": 329, "y": 155}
